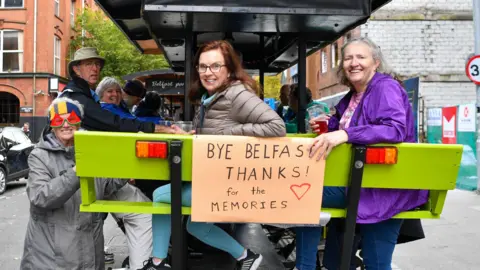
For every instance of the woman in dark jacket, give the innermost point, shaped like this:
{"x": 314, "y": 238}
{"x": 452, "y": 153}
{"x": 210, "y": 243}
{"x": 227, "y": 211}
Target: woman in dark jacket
{"x": 148, "y": 108}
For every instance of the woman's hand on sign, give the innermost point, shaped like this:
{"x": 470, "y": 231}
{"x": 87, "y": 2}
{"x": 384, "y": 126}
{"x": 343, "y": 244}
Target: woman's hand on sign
{"x": 323, "y": 144}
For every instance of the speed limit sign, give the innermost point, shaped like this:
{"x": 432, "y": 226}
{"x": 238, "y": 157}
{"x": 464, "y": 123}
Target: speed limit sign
{"x": 473, "y": 69}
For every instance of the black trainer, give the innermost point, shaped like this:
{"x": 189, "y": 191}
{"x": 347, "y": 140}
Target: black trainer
{"x": 149, "y": 265}
{"x": 251, "y": 262}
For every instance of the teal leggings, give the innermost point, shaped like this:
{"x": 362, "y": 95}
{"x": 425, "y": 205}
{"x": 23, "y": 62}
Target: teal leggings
{"x": 205, "y": 232}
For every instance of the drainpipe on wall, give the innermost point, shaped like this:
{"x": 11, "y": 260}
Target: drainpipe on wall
{"x": 34, "y": 60}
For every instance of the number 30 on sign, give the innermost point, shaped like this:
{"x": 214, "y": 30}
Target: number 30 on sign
{"x": 473, "y": 69}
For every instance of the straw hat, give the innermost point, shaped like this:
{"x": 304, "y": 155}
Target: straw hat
{"x": 84, "y": 54}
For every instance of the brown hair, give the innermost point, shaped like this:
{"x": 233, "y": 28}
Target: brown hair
{"x": 232, "y": 63}
{"x": 285, "y": 87}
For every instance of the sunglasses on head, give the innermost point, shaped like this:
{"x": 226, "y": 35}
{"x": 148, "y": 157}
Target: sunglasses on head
{"x": 72, "y": 120}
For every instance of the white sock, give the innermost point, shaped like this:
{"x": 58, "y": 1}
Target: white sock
{"x": 244, "y": 255}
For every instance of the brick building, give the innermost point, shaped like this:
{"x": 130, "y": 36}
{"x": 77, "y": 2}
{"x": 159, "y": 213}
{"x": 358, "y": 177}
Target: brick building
{"x": 322, "y": 67}
{"x": 35, "y": 36}
{"x": 430, "y": 39}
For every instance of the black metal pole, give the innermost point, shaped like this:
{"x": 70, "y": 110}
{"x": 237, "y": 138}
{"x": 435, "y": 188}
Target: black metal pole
{"x": 179, "y": 248}
{"x": 187, "y": 108}
{"x": 353, "y": 196}
{"x": 302, "y": 83}
{"x": 262, "y": 67}
{"x": 194, "y": 43}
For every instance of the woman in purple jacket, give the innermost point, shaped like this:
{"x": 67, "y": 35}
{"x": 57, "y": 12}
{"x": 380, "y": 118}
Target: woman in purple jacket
{"x": 376, "y": 110}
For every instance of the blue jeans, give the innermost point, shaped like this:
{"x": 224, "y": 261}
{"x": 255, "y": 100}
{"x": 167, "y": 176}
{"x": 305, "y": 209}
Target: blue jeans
{"x": 377, "y": 240}
{"x": 205, "y": 232}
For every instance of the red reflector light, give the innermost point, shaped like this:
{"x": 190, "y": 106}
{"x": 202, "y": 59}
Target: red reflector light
{"x": 381, "y": 155}
{"x": 145, "y": 149}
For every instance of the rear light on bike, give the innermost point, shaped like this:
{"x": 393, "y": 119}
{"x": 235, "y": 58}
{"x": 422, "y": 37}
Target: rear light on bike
{"x": 381, "y": 155}
{"x": 146, "y": 149}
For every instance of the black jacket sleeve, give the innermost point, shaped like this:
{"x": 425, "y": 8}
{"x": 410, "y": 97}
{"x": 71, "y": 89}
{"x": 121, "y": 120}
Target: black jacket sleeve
{"x": 98, "y": 119}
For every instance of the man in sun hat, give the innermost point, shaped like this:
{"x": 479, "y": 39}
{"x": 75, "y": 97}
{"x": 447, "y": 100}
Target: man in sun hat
{"x": 84, "y": 71}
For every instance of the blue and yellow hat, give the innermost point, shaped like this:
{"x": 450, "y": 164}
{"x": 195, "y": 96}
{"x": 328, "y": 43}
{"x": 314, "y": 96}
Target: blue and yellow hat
{"x": 64, "y": 107}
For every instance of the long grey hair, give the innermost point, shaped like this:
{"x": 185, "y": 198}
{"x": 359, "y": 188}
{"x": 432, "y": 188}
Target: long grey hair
{"x": 376, "y": 54}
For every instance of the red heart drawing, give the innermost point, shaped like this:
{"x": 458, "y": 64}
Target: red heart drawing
{"x": 300, "y": 190}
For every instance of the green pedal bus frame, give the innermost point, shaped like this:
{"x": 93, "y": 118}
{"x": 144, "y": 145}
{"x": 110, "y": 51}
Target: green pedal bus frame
{"x": 432, "y": 167}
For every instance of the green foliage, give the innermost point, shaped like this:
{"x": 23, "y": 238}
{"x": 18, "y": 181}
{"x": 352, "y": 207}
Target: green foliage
{"x": 271, "y": 88}
{"x": 121, "y": 56}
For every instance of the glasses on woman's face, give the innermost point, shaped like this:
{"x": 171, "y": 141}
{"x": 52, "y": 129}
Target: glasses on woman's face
{"x": 215, "y": 67}
{"x": 72, "y": 120}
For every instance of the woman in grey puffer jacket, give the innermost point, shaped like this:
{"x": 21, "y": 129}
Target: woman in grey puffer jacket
{"x": 59, "y": 236}
{"x": 229, "y": 106}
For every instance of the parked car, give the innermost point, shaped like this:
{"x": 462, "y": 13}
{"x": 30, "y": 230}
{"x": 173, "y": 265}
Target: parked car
{"x": 15, "y": 147}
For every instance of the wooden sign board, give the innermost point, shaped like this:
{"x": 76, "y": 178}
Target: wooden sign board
{"x": 255, "y": 180}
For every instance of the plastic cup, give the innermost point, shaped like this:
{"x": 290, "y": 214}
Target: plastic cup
{"x": 317, "y": 111}
{"x": 186, "y": 126}
{"x": 307, "y": 126}
{"x": 321, "y": 126}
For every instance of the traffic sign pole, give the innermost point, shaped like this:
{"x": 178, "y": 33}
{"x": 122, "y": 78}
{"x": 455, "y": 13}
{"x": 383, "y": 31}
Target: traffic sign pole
{"x": 476, "y": 25}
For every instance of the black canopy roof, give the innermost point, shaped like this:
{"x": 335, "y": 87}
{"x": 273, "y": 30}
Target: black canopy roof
{"x": 258, "y": 29}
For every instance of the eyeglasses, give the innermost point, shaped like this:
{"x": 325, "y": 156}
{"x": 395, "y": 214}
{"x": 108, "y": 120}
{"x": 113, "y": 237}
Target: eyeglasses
{"x": 72, "y": 120}
{"x": 215, "y": 67}
{"x": 97, "y": 64}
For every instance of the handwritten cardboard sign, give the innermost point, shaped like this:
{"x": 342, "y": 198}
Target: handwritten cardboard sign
{"x": 258, "y": 180}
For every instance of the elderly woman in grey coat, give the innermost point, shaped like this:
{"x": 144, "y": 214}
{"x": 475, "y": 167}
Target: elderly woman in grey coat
{"x": 58, "y": 235}
{"x": 229, "y": 106}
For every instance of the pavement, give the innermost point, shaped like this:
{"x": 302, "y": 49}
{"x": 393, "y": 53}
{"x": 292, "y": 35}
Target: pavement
{"x": 14, "y": 214}
{"x": 451, "y": 241}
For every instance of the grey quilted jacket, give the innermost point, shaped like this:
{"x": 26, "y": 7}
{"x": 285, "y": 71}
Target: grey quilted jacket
{"x": 238, "y": 111}
{"x": 58, "y": 235}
